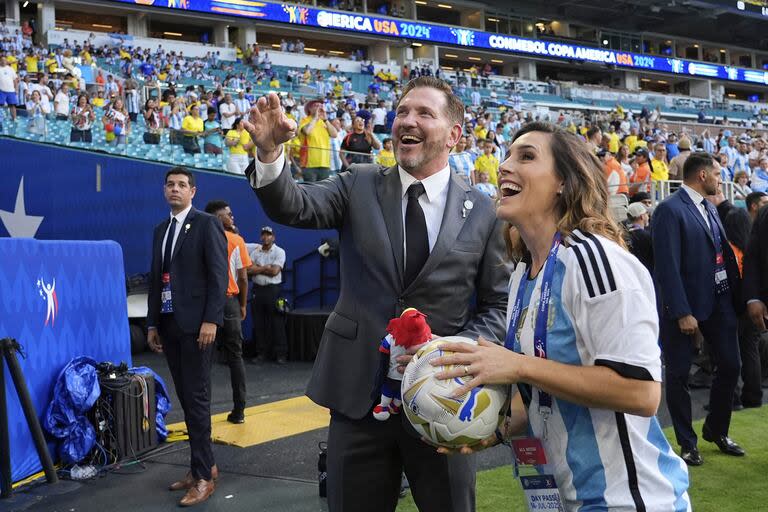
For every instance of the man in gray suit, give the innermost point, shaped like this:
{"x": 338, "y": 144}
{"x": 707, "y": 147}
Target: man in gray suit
{"x": 413, "y": 235}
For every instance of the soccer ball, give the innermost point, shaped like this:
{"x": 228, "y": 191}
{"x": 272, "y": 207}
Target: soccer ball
{"x": 447, "y": 421}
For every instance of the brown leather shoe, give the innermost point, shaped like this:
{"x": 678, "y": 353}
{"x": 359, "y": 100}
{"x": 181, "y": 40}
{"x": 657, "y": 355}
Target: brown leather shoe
{"x": 189, "y": 481}
{"x": 201, "y": 491}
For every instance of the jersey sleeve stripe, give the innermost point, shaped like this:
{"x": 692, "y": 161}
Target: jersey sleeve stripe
{"x": 603, "y": 275}
{"x": 629, "y": 460}
{"x": 584, "y": 271}
{"x": 629, "y": 371}
{"x": 595, "y": 266}
{"x": 604, "y": 257}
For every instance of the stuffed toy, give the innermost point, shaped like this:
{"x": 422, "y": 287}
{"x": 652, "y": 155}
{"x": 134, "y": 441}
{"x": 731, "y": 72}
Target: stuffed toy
{"x": 408, "y": 331}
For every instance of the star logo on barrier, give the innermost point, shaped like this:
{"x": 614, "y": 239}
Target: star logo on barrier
{"x": 18, "y": 223}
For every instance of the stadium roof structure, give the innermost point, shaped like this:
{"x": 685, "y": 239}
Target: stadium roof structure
{"x": 706, "y": 20}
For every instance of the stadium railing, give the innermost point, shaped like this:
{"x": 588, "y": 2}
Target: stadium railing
{"x": 58, "y": 132}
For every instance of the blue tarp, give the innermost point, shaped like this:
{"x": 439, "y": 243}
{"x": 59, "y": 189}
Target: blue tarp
{"x": 76, "y": 391}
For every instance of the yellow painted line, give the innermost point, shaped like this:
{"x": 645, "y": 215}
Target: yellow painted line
{"x": 264, "y": 423}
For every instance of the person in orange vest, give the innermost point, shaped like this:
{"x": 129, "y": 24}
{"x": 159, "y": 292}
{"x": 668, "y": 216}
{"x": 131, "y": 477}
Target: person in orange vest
{"x": 641, "y": 179}
{"x": 614, "y": 173}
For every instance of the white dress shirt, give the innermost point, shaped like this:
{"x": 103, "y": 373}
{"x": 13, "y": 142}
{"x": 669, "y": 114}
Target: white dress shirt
{"x": 432, "y": 202}
{"x": 697, "y": 199}
{"x": 180, "y": 218}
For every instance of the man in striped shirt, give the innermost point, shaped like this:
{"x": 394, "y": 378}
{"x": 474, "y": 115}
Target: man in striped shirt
{"x": 741, "y": 160}
{"x": 242, "y": 104}
{"x": 461, "y": 161}
{"x": 336, "y": 163}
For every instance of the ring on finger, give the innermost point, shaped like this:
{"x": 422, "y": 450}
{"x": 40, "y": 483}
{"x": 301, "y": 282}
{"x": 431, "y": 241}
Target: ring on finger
{"x": 466, "y": 370}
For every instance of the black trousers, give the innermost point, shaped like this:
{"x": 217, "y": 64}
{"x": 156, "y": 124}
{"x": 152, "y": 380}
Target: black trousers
{"x": 191, "y": 371}
{"x": 366, "y": 458}
{"x": 751, "y": 375}
{"x": 720, "y": 333}
{"x": 268, "y": 322}
{"x": 231, "y": 344}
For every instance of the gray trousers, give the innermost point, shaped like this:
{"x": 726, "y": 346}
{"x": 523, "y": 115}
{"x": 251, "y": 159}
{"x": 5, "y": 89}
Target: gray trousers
{"x": 367, "y": 457}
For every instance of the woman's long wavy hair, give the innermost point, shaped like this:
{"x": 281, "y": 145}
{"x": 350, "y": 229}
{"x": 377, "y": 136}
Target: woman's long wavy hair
{"x": 583, "y": 204}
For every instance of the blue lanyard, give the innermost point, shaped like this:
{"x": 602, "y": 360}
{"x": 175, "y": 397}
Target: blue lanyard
{"x": 540, "y": 330}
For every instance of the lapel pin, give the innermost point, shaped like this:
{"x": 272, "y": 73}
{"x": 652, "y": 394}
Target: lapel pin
{"x": 465, "y": 208}
{"x": 186, "y": 228}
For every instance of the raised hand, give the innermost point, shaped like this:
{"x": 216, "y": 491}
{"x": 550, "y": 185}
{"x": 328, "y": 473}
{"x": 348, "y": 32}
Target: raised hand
{"x": 269, "y": 127}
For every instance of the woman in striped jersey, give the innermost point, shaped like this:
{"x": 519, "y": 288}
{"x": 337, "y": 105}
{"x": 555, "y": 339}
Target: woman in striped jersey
{"x": 583, "y": 329}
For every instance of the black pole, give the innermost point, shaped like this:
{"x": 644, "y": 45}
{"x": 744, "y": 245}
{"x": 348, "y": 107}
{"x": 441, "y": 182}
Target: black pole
{"x": 6, "y": 488}
{"x": 29, "y": 410}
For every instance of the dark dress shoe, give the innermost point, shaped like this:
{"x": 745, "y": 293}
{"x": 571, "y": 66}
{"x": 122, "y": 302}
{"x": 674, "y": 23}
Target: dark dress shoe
{"x": 751, "y": 405}
{"x": 281, "y": 360}
{"x": 189, "y": 481}
{"x": 725, "y": 443}
{"x": 692, "y": 457}
{"x": 201, "y": 491}
{"x": 236, "y": 416}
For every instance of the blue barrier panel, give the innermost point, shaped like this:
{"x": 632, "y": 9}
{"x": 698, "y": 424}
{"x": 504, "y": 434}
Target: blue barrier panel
{"x": 85, "y": 195}
{"x": 60, "y": 300}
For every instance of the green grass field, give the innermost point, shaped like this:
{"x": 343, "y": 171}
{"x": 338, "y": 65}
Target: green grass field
{"x": 722, "y": 484}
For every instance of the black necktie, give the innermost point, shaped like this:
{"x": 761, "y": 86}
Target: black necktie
{"x": 416, "y": 240}
{"x": 169, "y": 247}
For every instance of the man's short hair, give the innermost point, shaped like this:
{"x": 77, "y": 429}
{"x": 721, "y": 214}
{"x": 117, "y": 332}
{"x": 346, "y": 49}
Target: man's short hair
{"x": 592, "y": 131}
{"x": 455, "y": 107}
{"x": 181, "y": 170}
{"x": 754, "y": 198}
{"x": 695, "y": 163}
{"x": 216, "y": 205}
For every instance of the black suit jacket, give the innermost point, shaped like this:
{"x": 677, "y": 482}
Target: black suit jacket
{"x": 641, "y": 245}
{"x": 198, "y": 272}
{"x": 756, "y": 260}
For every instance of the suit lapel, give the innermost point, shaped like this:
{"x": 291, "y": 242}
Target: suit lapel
{"x": 453, "y": 221}
{"x": 389, "y": 192}
{"x": 696, "y": 213}
{"x": 183, "y": 231}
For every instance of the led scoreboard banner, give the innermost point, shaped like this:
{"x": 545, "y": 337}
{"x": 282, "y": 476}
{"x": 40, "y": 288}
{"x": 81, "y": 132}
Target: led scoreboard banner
{"x": 752, "y": 8}
{"x": 443, "y": 34}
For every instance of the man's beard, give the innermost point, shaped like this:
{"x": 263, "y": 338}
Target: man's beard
{"x": 415, "y": 161}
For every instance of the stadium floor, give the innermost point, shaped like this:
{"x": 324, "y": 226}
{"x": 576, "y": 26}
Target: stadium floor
{"x": 277, "y": 473}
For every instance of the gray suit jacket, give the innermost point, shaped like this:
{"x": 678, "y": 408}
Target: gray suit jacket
{"x": 462, "y": 288}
